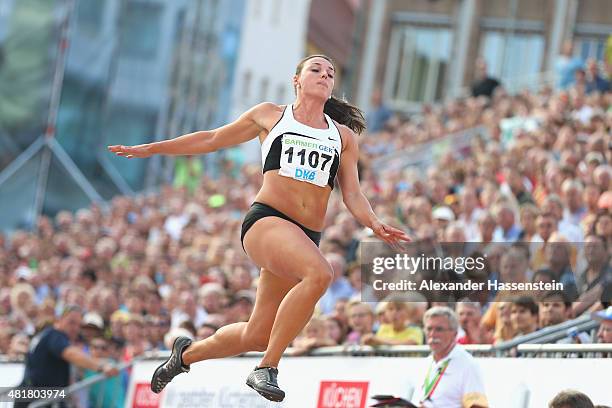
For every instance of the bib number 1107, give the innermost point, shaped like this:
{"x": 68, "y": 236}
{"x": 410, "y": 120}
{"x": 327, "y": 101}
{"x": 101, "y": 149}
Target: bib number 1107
{"x": 313, "y": 157}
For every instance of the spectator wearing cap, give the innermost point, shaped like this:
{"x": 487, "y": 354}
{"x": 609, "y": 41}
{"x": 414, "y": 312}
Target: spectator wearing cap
{"x": 117, "y": 322}
{"x": 339, "y": 288}
{"x": 109, "y": 393}
{"x": 92, "y": 326}
{"x": 604, "y": 334}
{"x": 442, "y": 216}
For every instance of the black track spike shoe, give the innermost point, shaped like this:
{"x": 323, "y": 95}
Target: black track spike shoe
{"x": 263, "y": 380}
{"x": 171, "y": 367}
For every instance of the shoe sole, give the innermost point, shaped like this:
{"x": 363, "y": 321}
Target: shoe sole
{"x": 160, "y": 366}
{"x": 267, "y": 395}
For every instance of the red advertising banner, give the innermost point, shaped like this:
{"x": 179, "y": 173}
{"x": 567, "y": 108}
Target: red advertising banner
{"x": 342, "y": 394}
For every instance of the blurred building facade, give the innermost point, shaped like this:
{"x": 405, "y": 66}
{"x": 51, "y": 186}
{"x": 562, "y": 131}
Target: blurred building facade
{"x": 424, "y": 50}
{"x": 135, "y": 71}
{"x": 272, "y": 42}
{"x": 335, "y": 30}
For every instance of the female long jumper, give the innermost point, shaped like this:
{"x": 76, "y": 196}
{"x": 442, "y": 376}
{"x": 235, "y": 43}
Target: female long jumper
{"x": 305, "y": 145}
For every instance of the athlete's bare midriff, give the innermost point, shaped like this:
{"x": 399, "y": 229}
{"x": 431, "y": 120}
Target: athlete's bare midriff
{"x": 304, "y": 202}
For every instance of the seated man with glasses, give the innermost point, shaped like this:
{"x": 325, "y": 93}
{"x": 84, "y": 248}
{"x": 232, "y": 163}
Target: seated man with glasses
{"x": 453, "y": 378}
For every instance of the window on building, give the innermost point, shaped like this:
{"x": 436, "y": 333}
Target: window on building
{"x": 417, "y": 64}
{"x": 587, "y": 47}
{"x": 140, "y": 29}
{"x": 512, "y": 57}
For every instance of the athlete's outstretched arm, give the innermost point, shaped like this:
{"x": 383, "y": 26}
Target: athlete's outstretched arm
{"x": 353, "y": 197}
{"x": 245, "y": 128}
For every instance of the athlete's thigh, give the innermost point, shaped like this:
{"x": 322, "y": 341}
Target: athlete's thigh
{"x": 271, "y": 290}
{"x": 283, "y": 248}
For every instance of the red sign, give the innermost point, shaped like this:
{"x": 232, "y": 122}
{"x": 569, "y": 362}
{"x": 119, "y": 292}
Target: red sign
{"x": 144, "y": 397}
{"x": 342, "y": 394}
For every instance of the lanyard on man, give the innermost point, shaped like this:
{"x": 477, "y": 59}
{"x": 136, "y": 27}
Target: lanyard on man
{"x": 430, "y": 384}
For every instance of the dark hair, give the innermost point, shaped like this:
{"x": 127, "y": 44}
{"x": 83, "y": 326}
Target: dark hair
{"x": 526, "y": 302}
{"x": 548, "y": 296}
{"x": 339, "y": 109}
{"x": 570, "y": 398}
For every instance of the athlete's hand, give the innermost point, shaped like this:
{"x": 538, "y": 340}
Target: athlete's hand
{"x": 139, "y": 151}
{"x": 391, "y": 235}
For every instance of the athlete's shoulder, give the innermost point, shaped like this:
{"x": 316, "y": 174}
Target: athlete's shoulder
{"x": 264, "y": 113}
{"x": 267, "y": 108}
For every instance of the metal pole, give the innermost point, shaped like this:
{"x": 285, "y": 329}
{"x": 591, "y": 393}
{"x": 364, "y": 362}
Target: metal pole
{"x": 56, "y": 94}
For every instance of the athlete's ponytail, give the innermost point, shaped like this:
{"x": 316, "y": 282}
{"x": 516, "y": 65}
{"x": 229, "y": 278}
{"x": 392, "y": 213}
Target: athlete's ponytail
{"x": 346, "y": 114}
{"x": 339, "y": 109}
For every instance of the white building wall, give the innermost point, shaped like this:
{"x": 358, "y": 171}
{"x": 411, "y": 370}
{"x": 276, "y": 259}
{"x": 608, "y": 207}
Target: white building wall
{"x": 273, "y": 40}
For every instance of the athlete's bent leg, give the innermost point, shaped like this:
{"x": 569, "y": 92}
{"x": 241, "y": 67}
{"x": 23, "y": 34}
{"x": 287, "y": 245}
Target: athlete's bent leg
{"x": 232, "y": 339}
{"x": 294, "y": 256}
{"x": 238, "y": 338}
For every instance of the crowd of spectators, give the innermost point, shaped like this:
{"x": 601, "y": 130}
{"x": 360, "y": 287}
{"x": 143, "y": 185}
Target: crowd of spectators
{"x": 151, "y": 267}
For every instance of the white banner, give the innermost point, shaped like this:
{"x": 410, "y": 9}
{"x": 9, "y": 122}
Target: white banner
{"x": 11, "y": 374}
{"x": 349, "y": 382}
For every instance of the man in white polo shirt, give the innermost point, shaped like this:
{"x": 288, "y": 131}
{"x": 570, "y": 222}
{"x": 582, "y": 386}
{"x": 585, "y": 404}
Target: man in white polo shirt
{"x": 453, "y": 378}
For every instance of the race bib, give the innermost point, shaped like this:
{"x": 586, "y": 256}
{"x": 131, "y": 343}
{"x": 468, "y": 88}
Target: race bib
{"x": 306, "y": 159}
